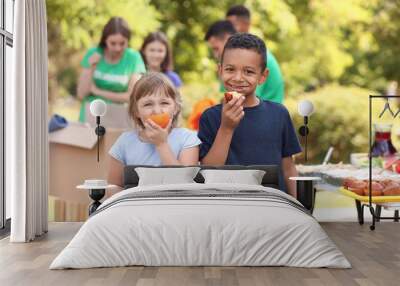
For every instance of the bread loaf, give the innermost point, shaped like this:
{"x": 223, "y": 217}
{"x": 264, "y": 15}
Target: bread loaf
{"x": 392, "y": 190}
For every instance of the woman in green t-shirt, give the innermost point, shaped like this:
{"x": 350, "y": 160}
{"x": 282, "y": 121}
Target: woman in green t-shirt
{"x": 111, "y": 69}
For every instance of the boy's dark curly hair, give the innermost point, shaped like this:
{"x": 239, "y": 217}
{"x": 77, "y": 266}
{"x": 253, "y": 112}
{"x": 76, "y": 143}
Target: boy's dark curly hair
{"x": 247, "y": 41}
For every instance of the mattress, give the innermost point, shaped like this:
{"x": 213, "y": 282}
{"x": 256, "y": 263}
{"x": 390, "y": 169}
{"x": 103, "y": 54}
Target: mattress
{"x": 201, "y": 225}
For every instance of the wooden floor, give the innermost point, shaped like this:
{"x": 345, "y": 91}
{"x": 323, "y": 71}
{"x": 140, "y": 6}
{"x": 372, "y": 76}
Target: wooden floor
{"x": 374, "y": 255}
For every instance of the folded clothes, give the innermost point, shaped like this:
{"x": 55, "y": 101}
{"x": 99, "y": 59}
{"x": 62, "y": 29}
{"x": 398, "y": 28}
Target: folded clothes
{"x": 57, "y": 122}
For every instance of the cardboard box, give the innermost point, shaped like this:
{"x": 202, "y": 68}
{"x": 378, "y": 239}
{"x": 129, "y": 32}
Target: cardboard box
{"x": 73, "y": 158}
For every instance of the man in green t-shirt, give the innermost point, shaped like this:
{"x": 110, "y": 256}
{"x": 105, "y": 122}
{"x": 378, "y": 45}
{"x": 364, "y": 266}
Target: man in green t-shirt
{"x": 273, "y": 88}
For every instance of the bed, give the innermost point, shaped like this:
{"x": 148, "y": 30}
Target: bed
{"x": 201, "y": 224}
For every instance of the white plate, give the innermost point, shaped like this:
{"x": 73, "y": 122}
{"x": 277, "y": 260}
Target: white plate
{"x": 305, "y": 178}
{"x": 92, "y": 187}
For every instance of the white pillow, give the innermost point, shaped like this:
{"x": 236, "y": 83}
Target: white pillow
{"x": 249, "y": 177}
{"x": 164, "y": 176}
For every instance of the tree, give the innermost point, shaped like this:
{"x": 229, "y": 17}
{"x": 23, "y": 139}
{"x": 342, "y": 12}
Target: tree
{"x": 75, "y": 26}
{"x": 316, "y": 42}
{"x": 386, "y": 30}
{"x": 185, "y": 24}
{"x": 311, "y": 39}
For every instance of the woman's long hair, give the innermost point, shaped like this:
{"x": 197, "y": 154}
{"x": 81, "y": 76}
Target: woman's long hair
{"x": 116, "y": 25}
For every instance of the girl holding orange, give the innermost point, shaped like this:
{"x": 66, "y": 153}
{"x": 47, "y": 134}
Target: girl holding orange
{"x": 154, "y": 108}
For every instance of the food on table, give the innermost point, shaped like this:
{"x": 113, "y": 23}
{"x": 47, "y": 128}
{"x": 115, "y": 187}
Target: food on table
{"x": 392, "y": 184}
{"x": 392, "y": 190}
{"x": 231, "y": 94}
{"x": 161, "y": 119}
{"x": 376, "y": 186}
{"x": 390, "y": 162}
{"x": 361, "y": 160}
{"x": 359, "y": 192}
{"x": 373, "y": 193}
{"x": 385, "y": 187}
{"x": 354, "y": 185}
{"x": 397, "y": 168}
{"x": 387, "y": 182}
{"x": 348, "y": 181}
{"x": 376, "y": 189}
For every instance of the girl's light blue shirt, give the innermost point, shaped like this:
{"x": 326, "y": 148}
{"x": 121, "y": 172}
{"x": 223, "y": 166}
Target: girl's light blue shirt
{"x": 130, "y": 150}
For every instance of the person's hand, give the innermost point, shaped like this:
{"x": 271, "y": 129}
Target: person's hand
{"x": 232, "y": 112}
{"x": 154, "y": 134}
{"x": 94, "y": 59}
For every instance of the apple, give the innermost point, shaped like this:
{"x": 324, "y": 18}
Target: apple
{"x": 397, "y": 168}
{"x": 231, "y": 94}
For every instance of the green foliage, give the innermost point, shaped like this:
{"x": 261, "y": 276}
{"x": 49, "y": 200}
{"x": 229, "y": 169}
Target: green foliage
{"x": 74, "y": 26}
{"x": 314, "y": 41}
{"x": 319, "y": 44}
{"x": 67, "y": 78}
{"x": 79, "y": 24}
{"x": 185, "y": 23}
{"x": 340, "y": 121}
{"x": 386, "y": 30}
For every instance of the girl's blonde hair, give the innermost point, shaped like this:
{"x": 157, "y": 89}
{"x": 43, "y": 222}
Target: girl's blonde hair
{"x": 150, "y": 83}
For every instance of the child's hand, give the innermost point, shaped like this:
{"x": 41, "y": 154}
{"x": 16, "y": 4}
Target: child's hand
{"x": 232, "y": 112}
{"x": 154, "y": 134}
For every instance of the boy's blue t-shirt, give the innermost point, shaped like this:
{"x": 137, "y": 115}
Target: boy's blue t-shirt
{"x": 264, "y": 136}
{"x": 130, "y": 150}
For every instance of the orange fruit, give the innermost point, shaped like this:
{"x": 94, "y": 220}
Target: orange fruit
{"x": 161, "y": 119}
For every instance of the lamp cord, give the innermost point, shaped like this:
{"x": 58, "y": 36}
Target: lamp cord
{"x": 305, "y": 153}
{"x": 305, "y": 145}
{"x": 98, "y": 139}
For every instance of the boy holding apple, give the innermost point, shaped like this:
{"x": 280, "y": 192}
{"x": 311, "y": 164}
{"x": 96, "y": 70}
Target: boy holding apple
{"x": 247, "y": 130}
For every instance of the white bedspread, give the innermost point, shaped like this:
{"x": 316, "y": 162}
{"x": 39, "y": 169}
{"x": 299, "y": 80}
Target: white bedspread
{"x": 190, "y": 230}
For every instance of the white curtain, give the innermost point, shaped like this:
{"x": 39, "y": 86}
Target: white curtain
{"x": 26, "y": 117}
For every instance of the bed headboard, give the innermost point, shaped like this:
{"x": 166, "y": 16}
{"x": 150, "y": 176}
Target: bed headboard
{"x": 270, "y": 179}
